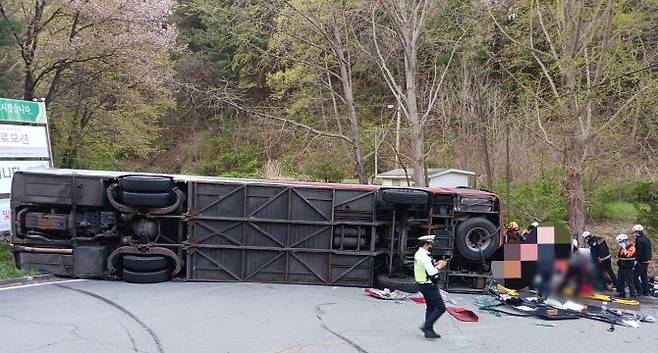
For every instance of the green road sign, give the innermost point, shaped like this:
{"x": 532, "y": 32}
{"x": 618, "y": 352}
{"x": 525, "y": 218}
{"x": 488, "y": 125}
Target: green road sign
{"x": 17, "y": 110}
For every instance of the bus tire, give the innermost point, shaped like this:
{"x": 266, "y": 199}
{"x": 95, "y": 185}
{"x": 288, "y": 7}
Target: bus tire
{"x": 145, "y": 263}
{"x": 146, "y": 183}
{"x": 409, "y": 197}
{"x": 146, "y": 277}
{"x": 399, "y": 282}
{"x": 153, "y": 200}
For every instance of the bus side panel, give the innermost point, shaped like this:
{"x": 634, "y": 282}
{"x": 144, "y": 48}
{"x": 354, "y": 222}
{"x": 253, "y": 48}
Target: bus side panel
{"x": 278, "y": 233}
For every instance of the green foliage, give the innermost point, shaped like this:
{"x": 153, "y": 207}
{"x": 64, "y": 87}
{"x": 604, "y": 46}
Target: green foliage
{"x": 225, "y": 35}
{"x": 621, "y": 200}
{"x": 9, "y": 71}
{"x": 613, "y": 199}
{"x": 324, "y": 170}
{"x": 620, "y": 210}
{"x": 112, "y": 124}
{"x": 647, "y": 204}
{"x": 227, "y": 158}
{"x": 288, "y": 164}
{"x": 7, "y": 266}
{"x": 542, "y": 199}
{"x": 271, "y": 57}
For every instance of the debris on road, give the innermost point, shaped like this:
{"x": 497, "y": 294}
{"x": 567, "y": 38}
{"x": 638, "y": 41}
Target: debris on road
{"x": 462, "y": 314}
{"x": 541, "y": 324}
{"x": 400, "y": 297}
{"x": 502, "y": 298}
{"x": 504, "y": 301}
{"x": 386, "y": 294}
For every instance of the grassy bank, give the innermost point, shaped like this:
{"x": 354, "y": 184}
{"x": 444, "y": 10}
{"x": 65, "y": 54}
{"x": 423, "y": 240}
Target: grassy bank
{"x": 7, "y": 267}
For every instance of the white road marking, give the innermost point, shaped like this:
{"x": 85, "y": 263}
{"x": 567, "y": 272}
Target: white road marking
{"x": 41, "y": 284}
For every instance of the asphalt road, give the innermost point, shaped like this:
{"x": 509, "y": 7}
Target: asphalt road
{"x": 103, "y": 316}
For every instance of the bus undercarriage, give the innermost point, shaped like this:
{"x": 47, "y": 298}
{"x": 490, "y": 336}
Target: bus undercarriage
{"x": 150, "y": 228}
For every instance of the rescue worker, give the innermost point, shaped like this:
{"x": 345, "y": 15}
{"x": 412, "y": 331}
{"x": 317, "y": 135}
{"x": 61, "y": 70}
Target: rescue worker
{"x": 625, "y": 263}
{"x": 512, "y": 235}
{"x": 602, "y": 258}
{"x": 531, "y": 227}
{"x": 643, "y": 258}
{"x": 426, "y": 274}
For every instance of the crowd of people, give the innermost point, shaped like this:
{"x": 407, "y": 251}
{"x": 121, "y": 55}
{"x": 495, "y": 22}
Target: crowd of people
{"x": 633, "y": 259}
{"x": 591, "y": 267}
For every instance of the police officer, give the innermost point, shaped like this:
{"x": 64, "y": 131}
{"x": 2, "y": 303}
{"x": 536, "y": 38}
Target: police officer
{"x": 426, "y": 274}
{"x": 643, "y": 258}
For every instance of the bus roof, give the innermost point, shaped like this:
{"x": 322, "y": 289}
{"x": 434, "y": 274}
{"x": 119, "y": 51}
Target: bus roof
{"x": 197, "y": 178}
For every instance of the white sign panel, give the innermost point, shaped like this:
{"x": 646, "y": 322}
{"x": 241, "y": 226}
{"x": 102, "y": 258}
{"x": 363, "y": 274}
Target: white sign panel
{"x": 8, "y": 168}
{"x": 5, "y": 215}
{"x": 23, "y": 141}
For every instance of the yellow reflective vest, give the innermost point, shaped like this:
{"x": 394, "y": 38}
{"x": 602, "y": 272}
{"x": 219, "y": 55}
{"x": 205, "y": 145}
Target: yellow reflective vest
{"x": 423, "y": 266}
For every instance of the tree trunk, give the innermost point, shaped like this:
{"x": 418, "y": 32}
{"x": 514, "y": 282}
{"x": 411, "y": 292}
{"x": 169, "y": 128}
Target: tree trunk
{"x": 354, "y": 123}
{"x": 487, "y": 160}
{"x": 346, "y": 81}
{"x": 70, "y": 152}
{"x": 416, "y": 128}
{"x": 28, "y": 84}
{"x": 576, "y": 202}
{"x": 29, "y": 48}
{"x": 576, "y": 198}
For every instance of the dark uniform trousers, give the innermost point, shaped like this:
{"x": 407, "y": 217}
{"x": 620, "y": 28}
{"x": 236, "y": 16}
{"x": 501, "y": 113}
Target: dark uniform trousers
{"x": 626, "y": 278}
{"x": 435, "y": 307}
{"x": 605, "y": 267}
{"x": 641, "y": 278}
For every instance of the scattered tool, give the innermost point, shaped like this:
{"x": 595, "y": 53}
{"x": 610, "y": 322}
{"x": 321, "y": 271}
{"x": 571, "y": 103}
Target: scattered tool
{"x": 626, "y": 302}
{"x": 607, "y": 298}
{"x": 512, "y": 292}
{"x": 599, "y": 297}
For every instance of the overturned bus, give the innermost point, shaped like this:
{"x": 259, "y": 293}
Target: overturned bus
{"x": 150, "y": 228}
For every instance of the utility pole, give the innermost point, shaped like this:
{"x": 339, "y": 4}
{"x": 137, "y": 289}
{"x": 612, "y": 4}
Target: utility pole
{"x": 376, "y": 157}
{"x": 508, "y": 203}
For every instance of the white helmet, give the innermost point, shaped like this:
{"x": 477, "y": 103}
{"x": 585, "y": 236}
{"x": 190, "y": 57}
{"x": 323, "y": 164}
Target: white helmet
{"x": 622, "y": 238}
{"x": 586, "y": 234}
{"x": 638, "y": 228}
{"x": 535, "y": 224}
